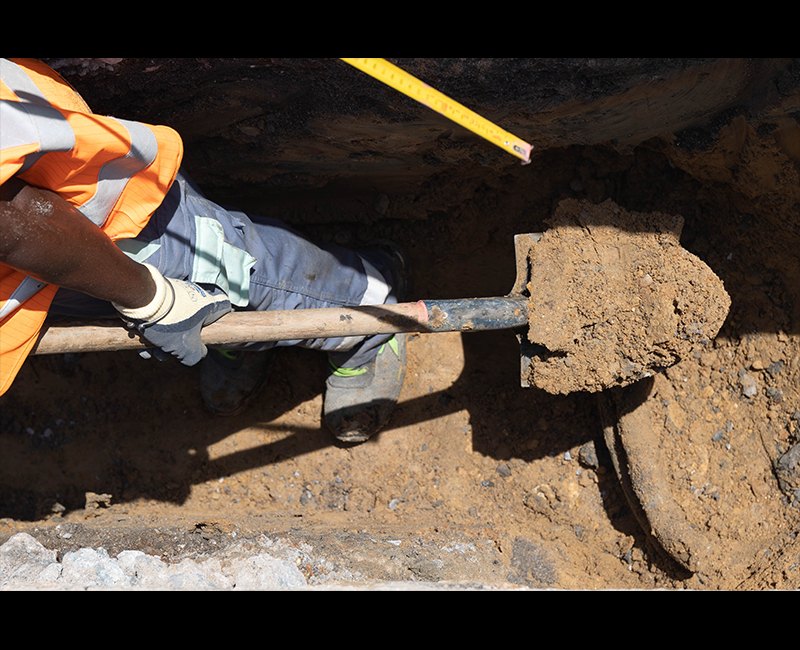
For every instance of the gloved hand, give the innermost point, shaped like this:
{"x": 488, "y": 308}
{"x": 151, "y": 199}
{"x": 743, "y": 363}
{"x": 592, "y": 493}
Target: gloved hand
{"x": 176, "y": 315}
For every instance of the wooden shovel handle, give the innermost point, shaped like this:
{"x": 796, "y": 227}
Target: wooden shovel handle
{"x": 300, "y": 324}
{"x": 240, "y": 327}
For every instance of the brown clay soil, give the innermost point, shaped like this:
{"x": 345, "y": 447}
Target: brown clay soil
{"x": 613, "y": 298}
{"x": 475, "y": 479}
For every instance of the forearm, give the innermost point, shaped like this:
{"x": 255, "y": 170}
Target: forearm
{"x": 45, "y": 237}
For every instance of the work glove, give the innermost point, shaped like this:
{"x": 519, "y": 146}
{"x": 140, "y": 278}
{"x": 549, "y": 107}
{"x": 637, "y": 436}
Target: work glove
{"x": 176, "y": 315}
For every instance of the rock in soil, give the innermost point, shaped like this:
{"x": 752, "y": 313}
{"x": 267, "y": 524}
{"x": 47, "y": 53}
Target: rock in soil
{"x": 614, "y": 298}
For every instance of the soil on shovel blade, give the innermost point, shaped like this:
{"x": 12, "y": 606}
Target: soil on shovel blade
{"x": 475, "y": 480}
{"x": 615, "y": 298}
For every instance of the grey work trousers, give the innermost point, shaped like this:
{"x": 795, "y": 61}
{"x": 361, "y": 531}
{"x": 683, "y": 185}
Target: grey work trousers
{"x": 289, "y": 271}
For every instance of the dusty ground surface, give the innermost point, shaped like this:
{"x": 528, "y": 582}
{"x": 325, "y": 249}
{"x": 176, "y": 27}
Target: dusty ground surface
{"x": 615, "y": 298}
{"x": 475, "y": 479}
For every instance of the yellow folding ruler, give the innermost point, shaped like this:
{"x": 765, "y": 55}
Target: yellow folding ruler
{"x": 409, "y": 85}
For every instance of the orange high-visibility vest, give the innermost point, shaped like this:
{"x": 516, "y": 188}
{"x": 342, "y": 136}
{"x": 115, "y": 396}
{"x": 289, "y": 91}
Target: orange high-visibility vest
{"x": 114, "y": 171}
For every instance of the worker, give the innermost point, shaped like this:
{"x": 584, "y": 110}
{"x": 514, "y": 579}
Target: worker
{"x": 97, "y": 218}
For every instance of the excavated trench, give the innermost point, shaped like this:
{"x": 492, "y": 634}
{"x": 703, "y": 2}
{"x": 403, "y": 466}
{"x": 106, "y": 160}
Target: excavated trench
{"x": 686, "y": 479}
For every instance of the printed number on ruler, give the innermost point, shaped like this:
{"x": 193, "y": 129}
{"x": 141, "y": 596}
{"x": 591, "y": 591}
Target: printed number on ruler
{"x": 418, "y": 90}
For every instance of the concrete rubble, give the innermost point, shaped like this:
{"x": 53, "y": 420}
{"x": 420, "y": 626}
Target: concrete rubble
{"x": 25, "y": 565}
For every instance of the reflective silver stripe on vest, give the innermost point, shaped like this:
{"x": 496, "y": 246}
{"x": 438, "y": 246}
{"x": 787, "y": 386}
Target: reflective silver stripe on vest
{"x": 30, "y": 95}
{"x": 35, "y": 119}
{"x": 28, "y": 288}
{"x": 32, "y": 119}
{"x": 115, "y": 174}
{"x": 55, "y": 134}
{"x": 29, "y": 123}
{"x": 21, "y": 84}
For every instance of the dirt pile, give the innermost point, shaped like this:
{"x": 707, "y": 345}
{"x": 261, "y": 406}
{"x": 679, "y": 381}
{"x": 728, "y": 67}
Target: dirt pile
{"x": 614, "y": 297}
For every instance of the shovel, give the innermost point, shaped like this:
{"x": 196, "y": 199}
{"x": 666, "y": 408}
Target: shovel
{"x": 457, "y": 315}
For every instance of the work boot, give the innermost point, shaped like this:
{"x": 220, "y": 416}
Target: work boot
{"x": 358, "y": 401}
{"x": 230, "y": 378}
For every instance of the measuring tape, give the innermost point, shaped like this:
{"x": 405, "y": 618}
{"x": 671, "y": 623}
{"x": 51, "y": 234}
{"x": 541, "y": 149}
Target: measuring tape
{"x": 409, "y": 85}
